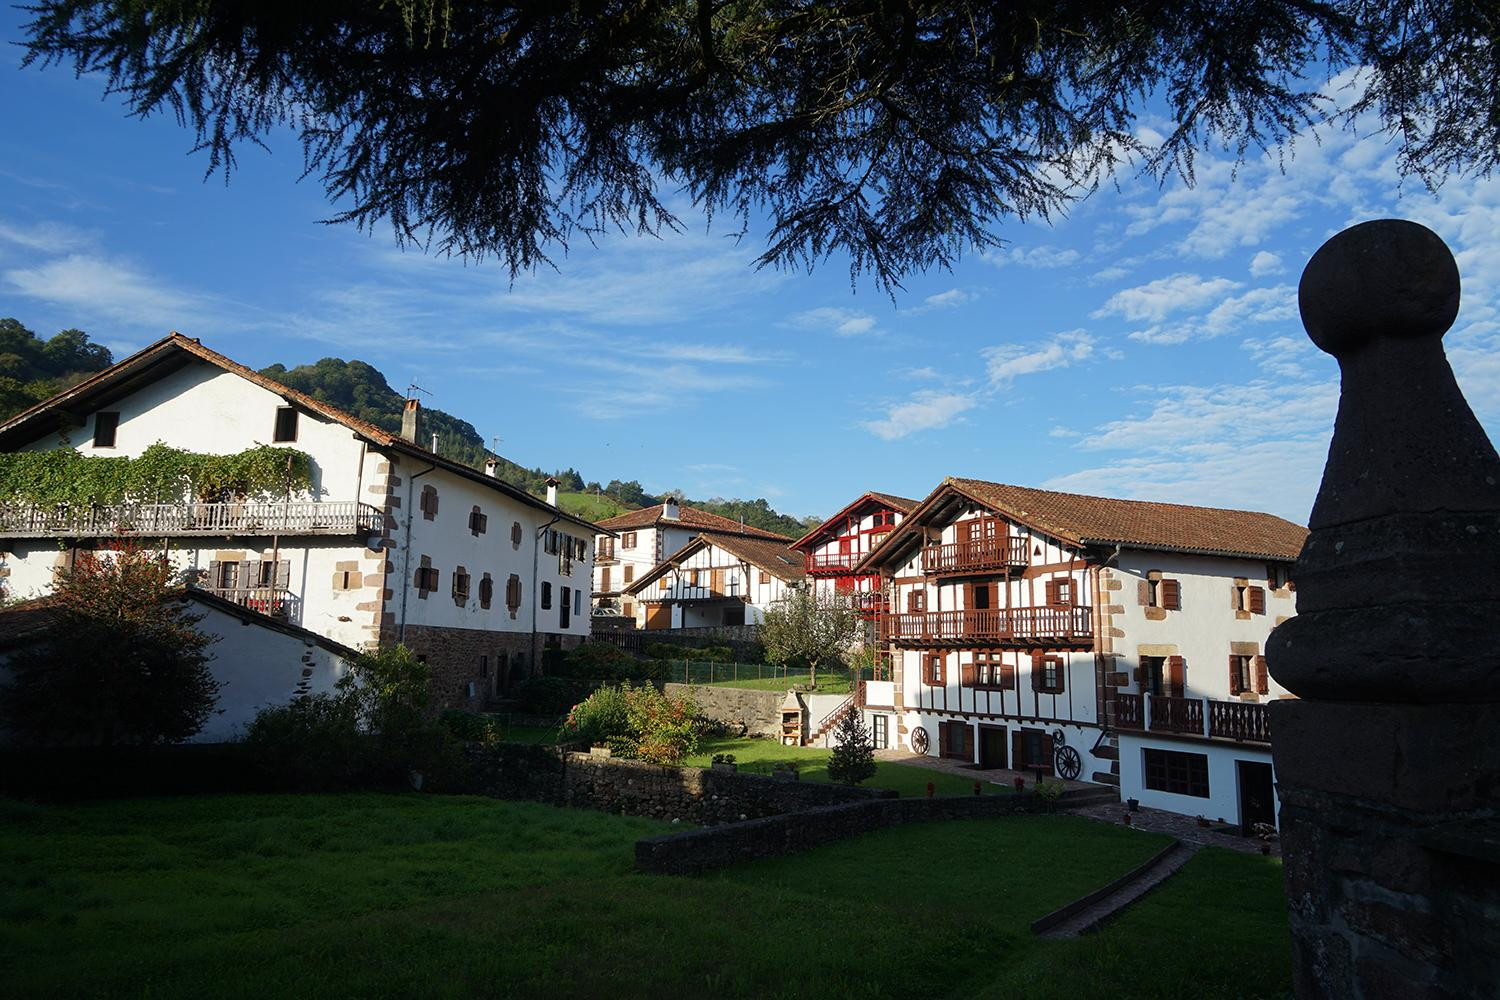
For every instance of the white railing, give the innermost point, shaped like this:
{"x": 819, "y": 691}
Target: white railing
{"x": 345, "y": 517}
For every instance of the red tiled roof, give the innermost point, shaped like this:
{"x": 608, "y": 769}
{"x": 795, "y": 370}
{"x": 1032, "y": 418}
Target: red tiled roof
{"x": 1145, "y": 523}
{"x": 688, "y": 517}
{"x": 902, "y": 504}
{"x": 775, "y": 557}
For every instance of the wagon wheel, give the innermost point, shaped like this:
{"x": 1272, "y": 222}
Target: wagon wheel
{"x": 1059, "y": 738}
{"x": 919, "y": 740}
{"x": 1069, "y": 764}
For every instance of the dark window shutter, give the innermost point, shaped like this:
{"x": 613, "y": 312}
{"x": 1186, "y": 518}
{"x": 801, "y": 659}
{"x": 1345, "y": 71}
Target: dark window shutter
{"x": 213, "y": 574}
{"x": 1017, "y": 750}
{"x": 1257, "y": 600}
{"x": 1036, "y": 670}
{"x": 1234, "y": 675}
{"x": 967, "y": 675}
{"x": 1007, "y": 676}
{"x": 1046, "y": 762}
{"x": 942, "y": 729}
{"x": 1051, "y": 591}
{"x": 1171, "y": 594}
{"x": 1176, "y": 677}
{"x": 1262, "y": 680}
{"x": 252, "y": 572}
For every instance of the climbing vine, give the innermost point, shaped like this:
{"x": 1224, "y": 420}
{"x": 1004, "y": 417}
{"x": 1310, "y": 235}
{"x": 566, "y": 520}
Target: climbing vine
{"x": 161, "y": 474}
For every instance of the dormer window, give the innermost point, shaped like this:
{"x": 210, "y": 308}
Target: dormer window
{"x": 106, "y": 422}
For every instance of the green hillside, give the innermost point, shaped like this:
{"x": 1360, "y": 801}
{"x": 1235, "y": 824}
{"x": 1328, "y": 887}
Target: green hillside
{"x": 591, "y": 507}
{"x": 33, "y": 369}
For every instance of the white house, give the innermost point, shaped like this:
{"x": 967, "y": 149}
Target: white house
{"x": 630, "y": 545}
{"x": 717, "y": 580}
{"x": 832, "y": 549}
{"x": 393, "y": 542}
{"x": 1118, "y": 640}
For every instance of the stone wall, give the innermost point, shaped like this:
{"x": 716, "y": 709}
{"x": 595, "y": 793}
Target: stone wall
{"x": 759, "y": 712}
{"x": 495, "y": 662}
{"x": 692, "y": 794}
{"x": 696, "y": 851}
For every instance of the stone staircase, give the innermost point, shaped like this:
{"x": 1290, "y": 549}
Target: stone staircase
{"x": 1108, "y": 749}
{"x": 1091, "y": 912}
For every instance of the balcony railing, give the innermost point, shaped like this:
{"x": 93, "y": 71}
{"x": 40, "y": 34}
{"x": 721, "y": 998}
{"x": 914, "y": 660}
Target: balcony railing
{"x": 831, "y": 562}
{"x": 870, "y": 603}
{"x": 345, "y": 517}
{"x": 1071, "y": 624}
{"x": 1243, "y": 721}
{"x": 277, "y": 602}
{"x": 985, "y": 553}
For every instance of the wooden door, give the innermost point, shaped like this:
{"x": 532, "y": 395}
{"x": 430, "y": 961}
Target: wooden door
{"x": 658, "y": 616}
{"x": 991, "y": 747}
{"x": 1257, "y": 800}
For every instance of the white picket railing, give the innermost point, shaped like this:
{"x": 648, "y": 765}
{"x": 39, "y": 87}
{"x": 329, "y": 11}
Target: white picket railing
{"x": 346, "y": 517}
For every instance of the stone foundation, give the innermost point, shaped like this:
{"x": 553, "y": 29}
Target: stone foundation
{"x": 758, "y": 712}
{"x": 454, "y": 657}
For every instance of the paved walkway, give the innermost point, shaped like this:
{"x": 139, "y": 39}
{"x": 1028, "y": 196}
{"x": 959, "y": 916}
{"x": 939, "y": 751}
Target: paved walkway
{"x": 1108, "y": 907}
{"x": 1184, "y": 828}
{"x": 994, "y": 775}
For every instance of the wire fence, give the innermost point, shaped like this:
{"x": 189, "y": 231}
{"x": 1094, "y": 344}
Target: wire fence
{"x": 763, "y": 676}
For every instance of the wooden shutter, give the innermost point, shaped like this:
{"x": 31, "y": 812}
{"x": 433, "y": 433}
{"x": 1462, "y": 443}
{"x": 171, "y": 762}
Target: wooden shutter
{"x": 1008, "y": 676}
{"x": 1262, "y": 680}
{"x": 1051, "y": 589}
{"x": 1257, "y": 600}
{"x": 1171, "y": 594}
{"x": 250, "y": 574}
{"x": 604, "y": 579}
{"x": 942, "y": 729}
{"x": 1036, "y": 670}
{"x": 966, "y": 674}
{"x": 1046, "y": 762}
{"x": 284, "y": 574}
{"x": 1176, "y": 677}
{"x": 1017, "y": 750}
{"x": 1234, "y": 675}
{"x": 213, "y": 573}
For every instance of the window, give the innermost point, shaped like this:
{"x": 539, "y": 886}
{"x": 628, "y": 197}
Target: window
{"x": 1060, "y": 593}
{"x": 460, "y": 585}
{"x": 627, "y": 540}
{"x": 479, "y": 522}
{"x": 1278, "y": 575}
{"x": 106, "y": 422}
{"x": 565, "y": 606}
{"x": 988, "y": 671}
{"x": 662, "y": 584}
{"x": 916, "y": 600}
{"x": 1175, "y": 772}
{"x": 880, "y": 731}
{"x": 486, "y": 591}
{"x": 605, "y": 546}
{"x": 286, "y": 424}
{"x": 627, "y": 609}
{"x": 955, "y": 739}
{"x": 765, "y": 578}
{"x": 515, "y": 534}
{"x": 428, "y": 503}
{"x": 1161, "y": 593}
{"x": 932, "y": 670}
{"x": 578, "y": 602}
{"x": 629, "y": 573}
{"x": 1152, "y": 675}
{"x": 513, "y": 594}
{"x": 484, "y": 665}
{"x": 228, "y": 576}
{"x": 1031, "y": 750}
{"x": 426, "y": 579}
{"x": 1248, "y": 673}
{"x": 342, "y": 580}
{"x": 1047, "y": 673}
{"x": 549, "y": 542}
{"x": 546, "y": 596}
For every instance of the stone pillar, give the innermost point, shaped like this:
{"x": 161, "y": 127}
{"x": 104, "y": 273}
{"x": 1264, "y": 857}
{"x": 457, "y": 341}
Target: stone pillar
{"x": 1389, "y": 761}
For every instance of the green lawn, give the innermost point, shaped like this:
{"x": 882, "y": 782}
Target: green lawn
{"x": 407, "y": 895}
{"x": 392, "y": 895}
{"x": 759, "y": 756}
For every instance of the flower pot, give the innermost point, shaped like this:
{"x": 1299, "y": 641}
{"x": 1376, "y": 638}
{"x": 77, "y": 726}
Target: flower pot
{"x": 1127, "y": 819}
{"x": 1133, "y": 805}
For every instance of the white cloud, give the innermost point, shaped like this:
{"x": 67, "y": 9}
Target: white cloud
{"x": 95, "y": 286}
{"x": 950, "y": 299}
{"x": 1264, "y": 262}
{"x": 1005, "y": 362}
{"x": 840, "y": 322}
{"x": 926, "y": 373}
{"x": 1156, "y": 300}
{"x": 928, "y": 410}
{"x": 1041, "y": 257}
{"x": 46, "y": 237}
{"x": 1258, "y": 305}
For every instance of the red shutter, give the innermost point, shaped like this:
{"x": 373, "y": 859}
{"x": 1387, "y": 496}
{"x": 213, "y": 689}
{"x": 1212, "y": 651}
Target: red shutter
{"x": 966, "y": 674}
{"x": 1051, "y": 593}
{"x": 1036, "y": 670}
{"x": 1262, "y": 681}
{"x": 1176, "y": 677}
{"x": 1171, "y": 594}
{"x": 1234, "y": 675}
{"x": 1007, "y": 676}
{"x": 1257, "y": 600}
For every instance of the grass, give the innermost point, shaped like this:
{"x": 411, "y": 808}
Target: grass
{"x": 406, "y": 895}
{"x": 829, "y": 682}
{"x": 590, "y": 507}
{"x": 759, "y": 756}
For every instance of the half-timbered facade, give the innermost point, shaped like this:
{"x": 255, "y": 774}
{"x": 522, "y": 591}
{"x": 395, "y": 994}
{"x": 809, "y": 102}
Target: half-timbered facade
{"x": 832, "y": 549}
{"x": 630, "y": 545}
{"x": 392, "y": 542}
{"x": 717, "y": 580}
{"x": 1130, "y": 632}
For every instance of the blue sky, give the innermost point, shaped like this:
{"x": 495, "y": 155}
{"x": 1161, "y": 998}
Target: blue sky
{"x": 1145, "y": 346}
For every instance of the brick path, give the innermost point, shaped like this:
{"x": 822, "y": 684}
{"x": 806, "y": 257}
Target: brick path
{"x": 1184, "y": 828}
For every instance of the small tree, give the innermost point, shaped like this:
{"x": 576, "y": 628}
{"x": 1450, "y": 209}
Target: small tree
{"x": 120, "y": 661}
{"x": 853, "y": 758}
{"x": 810, "y": 628}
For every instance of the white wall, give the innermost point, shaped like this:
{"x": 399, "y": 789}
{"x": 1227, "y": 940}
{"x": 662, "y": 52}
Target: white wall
{"x": 740, "y": 579}
{"x": 1223, "y": 777}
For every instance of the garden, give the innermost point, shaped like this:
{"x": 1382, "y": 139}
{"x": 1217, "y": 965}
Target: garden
{"x": 373, "y": 894}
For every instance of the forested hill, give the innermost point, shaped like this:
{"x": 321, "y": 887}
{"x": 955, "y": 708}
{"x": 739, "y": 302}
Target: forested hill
{"x": 360, "y": 389}
{"x": 32, "y": 369}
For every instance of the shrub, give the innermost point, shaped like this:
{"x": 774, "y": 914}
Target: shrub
{"x": 853, "y": 757}
{"x": 601, "y": 661}
{"x": 546, "y": 695}
{"x": 471, "y": 727}
{"x": 601, "y": 715}
{"x": 664, "y": 726}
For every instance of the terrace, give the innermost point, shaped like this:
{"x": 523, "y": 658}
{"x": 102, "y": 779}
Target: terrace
{"x": 997, "y": 554}
{"x": 1061, "y": 625}
{"x": 1239, "y": 721}
{"x": 175, "y": 519}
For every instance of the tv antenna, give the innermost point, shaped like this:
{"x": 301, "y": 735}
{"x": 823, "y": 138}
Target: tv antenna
{"x": 413, "y": 389}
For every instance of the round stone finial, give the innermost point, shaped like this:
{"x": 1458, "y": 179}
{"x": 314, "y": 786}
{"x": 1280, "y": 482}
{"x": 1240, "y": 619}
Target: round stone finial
{"x": 1386, "y": 278}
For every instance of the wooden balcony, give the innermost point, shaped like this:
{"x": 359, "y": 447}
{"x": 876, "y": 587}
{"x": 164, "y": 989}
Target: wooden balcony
{"x": 988, "y": 554}
{"x": 159, "y": 520}
{"x": 1240, "y": 721}
{"x": 1072, "y": 626}
{"x": 830, "y": 563}
{"x": 275, "y": 602}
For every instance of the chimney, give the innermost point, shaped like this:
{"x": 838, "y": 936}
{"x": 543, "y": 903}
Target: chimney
{"x": 410, "y": 419}
{"x": 552, "y": 490}
{"x": 434, "y": 442}
{"x": 670, "y": 510}
{"x": 491, "y": 466}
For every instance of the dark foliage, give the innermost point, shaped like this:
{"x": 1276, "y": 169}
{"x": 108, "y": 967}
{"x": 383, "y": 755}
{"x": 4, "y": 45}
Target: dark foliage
{"x": 32, "y": 369}
{"x": 898, "y": 135}
{"x": 119, "y": 662}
